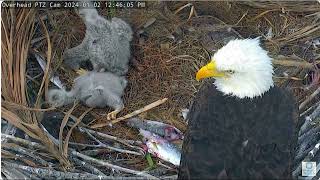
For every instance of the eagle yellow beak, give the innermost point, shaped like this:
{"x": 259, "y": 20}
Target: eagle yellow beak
{"x": 209, "y": 70}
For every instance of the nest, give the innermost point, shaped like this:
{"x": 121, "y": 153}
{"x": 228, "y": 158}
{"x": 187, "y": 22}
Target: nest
{"x": 172, "y": 40}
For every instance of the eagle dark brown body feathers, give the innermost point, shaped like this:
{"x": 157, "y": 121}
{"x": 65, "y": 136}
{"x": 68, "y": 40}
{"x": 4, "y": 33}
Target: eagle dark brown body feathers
{"x": 229, "y": 137}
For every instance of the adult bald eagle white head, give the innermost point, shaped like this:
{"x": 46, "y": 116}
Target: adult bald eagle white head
{"x": 241, "y": 68}
{"x": 240, "y": 126}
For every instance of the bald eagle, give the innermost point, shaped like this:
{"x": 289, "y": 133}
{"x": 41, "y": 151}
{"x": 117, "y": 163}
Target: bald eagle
{"x": 241, "y": 125}
{"x": 94, "y": 89}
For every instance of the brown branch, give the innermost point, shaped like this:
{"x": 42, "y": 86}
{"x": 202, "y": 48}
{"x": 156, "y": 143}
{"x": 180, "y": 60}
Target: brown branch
{"x": 134, "y": 113}
{"x": 309, "y": 98}
{"x": 309, "y": 109}
{"x": 292, "y": 63}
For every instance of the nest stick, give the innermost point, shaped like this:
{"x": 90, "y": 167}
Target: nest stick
{"x": 101, "y": 144}
{"x": 126, "y": 142}
{"x": 62, "y": 126}
{"x": 20, "y": 106}
{"x": 134, "y": 113}
{"x": 310, "y": 155}
{"x": 65, "y": 145}
{"x": 313, "y": 95}
{"x": 9, "y": 129}
{"x": 25, "y": 152}
{"x": 94, "y": 152}
{"x": 50, "y": 173}
{"x": 309, "y": 109}
{"x": 308, "y": 121}
{"x": 112, "y": 166}
{"x": 88, "y": 167}
{"x": 11, "y": 173}
{"x": 24, "y": 142}
{"x": 290, "y": 63}
{"x": 314, "y": 151}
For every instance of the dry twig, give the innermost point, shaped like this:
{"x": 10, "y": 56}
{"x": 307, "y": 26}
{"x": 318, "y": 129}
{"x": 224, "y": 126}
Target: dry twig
{"x": 11, "y": 173}
{"x": 308, "y": 121}
{"x": 101, "y": 144}
{"x": 88, "y": 166}
{"x": 63, "y": 124}
{"x": 65, "y": 148}
{"x": 26, "y": 152}
{"x": 129, "y": 143}
{"x": 50, "y": 173}
{"x": 111, "y": 166}
{"x": 134, "y": 113}
{"x": 289, "y": 63}
{"x": 30, "y": 144}
{"x": 309, "y": 98}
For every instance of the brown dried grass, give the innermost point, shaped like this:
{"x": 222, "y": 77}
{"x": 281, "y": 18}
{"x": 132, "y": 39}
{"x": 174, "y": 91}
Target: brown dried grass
{"x": 18, "y": 28}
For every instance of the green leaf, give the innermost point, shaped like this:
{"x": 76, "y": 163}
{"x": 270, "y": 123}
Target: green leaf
{"x": 151, "y": 164}
{"x": 149, "y": 159}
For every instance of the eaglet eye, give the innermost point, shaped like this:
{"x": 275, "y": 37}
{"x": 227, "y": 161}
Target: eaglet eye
{"x": 94, "y": 41}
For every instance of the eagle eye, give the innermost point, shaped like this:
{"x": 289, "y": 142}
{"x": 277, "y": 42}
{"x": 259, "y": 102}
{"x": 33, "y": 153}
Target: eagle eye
{"x": 230, "y": 71}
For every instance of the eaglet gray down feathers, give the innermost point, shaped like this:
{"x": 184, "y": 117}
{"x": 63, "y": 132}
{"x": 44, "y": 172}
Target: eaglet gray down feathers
{"x": 94, "y": 89}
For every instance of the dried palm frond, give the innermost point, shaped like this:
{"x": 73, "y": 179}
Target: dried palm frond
{"x": 17, "y": 31}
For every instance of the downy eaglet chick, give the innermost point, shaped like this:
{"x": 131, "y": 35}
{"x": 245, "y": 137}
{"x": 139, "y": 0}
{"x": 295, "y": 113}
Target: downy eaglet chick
{"x": 106, "y": 44}
{"x": 94, "y": 89}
